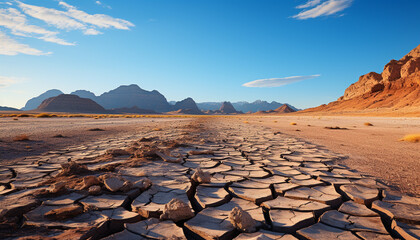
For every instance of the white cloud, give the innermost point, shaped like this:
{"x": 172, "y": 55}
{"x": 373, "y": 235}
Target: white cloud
{"x": 329, "y": 7}
{"x": 310, "y": 3}
{"x": 11, "y": 47}
{"x": 14, "y": 20}
{"x": 277, "y": 82}
{"x": 102, "y": 4}
{"x": 18, "y": 23}
{"x": 54, "y": 17}
{"x": 99, "y": 20}
{"x": 7, "y": 81}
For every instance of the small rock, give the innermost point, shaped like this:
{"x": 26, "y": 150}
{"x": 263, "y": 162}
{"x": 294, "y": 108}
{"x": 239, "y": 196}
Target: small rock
{"x": 89, "y": 181}
{"x": 64, "y": 212}
{"x": 57, "y": 187}
{"x": 242, "y": 220}
{"x": 201, "y": 177}
{"x": 113, "y": 184}
{"x": 176, "y": 210}
{"x": 127, "y": 186}
{"x": 142, "y": 184}
{"x": 94, "y": 190}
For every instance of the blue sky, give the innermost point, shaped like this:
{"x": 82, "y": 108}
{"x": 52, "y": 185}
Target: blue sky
{"x": 204, "y": 49}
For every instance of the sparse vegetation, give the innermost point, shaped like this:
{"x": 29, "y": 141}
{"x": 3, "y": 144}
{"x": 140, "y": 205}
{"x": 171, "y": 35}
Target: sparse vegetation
{"x": 157, "y": 129}
{"x": 21, "y": 138}
{"x": 336, "y": 128}
{"x": 23, "y": 115}
{"x": 293, "y": 123}
{"x": 15, "y": 118}
{"x": 368, "y": 124}
{"x": 411, "y": 138}
{"x": 44, "y": 115}
{"x": 246, "y": 122}
{"x": 96, "y": 129}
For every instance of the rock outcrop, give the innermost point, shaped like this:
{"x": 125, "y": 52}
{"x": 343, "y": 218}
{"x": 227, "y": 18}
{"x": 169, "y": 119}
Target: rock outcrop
{"x": 34, "y": 103}
{"x": 396, "y": 88}
{"x": 227, "y": 108}
{"x": 132, "y": 95}
{"x": 243, "y": 106}
{"x": 187, "y": 105}
{"x": 70, "y": 103}
{"x": 281, "y": 110}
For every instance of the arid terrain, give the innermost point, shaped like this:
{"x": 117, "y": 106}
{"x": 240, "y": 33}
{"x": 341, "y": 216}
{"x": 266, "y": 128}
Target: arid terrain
{"x": 217, "y": 177}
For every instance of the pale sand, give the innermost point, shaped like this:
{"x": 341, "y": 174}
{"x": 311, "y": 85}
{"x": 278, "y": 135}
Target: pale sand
{"x": 373, "y": 150}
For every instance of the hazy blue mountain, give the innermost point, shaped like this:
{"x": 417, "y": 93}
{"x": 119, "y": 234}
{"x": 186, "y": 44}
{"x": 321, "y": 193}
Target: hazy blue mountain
{"x": 85, "y": 94}
{"x": 8, "y": 109}
{"x": 244, "y": 106}
{"x": 70, "y": 103}
{"x": 133, "y": 96}
{"x": 33, "y": 103}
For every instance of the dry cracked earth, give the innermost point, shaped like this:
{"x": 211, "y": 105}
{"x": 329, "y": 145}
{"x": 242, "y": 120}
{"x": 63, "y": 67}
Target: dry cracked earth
{"x": 199, "y": 179}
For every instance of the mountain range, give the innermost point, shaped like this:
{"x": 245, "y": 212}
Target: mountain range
{"x": 133, "y": 99}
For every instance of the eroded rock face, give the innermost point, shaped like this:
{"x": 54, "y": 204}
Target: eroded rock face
{"x": 177, "y": 210}
{"x": 364, "y": 85}
{"x": 242, "y": 220}
{"x": 397, "y": 87}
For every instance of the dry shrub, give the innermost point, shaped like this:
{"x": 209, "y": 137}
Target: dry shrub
{"x": 44, "y": 115}
{"x": 335, "y": 128}
{"x": 15, "y": 118}
{"x": 23, "y": 115}
{"x": 20, "y": 138}
{"x": 246, "y": 122}
{"x": 157, "y": 129}
{"x": 411, "y": 138}
{"x": 368, "y": 124}
{"x": 275, "y": 121}
{"x": 96, "y": 129}
{"x": 293, "y": 123}
{"x": 58, "y": 136}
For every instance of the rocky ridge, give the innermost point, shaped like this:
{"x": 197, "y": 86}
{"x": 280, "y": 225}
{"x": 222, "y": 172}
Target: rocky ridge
{"x": 396, "y": 88}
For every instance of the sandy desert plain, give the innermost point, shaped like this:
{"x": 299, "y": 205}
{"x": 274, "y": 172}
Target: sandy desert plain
{"x": 288, "y": 176}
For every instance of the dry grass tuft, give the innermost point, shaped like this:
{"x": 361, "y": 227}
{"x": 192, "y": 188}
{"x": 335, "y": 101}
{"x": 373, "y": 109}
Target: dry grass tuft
{"x": 157, "y": 129}
{"x": 411, "y": 138}
{"x": 293, "y": 123}
{"x": 246, "y": 122}
{"x": 44, "y": 115}
{"x": 336, "y": 128}
{"x": 15, "y": 118}
{"x": 368, "y": 124}
{"x": 20, "y": 138}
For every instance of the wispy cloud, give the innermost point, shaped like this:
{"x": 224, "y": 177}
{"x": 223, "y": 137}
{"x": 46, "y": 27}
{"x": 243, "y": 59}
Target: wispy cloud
{"x": 310, "y": 3}
{"x": 103, "y": 5}
{"x": 11, "y": 47}
{"x": 7, "y": 81}
{"x": 13, "y": 19}
{"x": 278, "y": 82}
{"x": 17, "y": 23}
{"x": 314, "y": 8}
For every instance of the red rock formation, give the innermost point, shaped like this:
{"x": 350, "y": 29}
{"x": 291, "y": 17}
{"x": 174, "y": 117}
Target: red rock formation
{"x": 70, "y": 103}
{"x": 397, "y": 87}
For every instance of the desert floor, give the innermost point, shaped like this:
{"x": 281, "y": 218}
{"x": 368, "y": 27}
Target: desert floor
{"x": 315, "y": 183}
{"x": 372, "y": 150}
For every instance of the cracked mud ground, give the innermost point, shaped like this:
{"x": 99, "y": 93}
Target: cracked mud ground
{"x": 142, "y": 187}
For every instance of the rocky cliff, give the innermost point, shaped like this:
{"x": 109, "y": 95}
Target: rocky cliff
{"x": 396, "y": 88}
{"x": 227, "y": 108}
{"x": 70, "y": 103}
